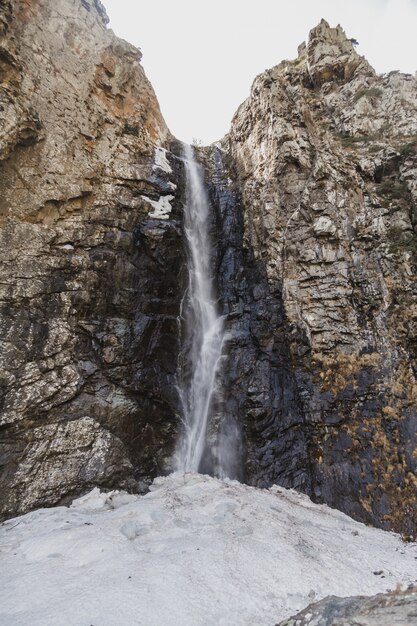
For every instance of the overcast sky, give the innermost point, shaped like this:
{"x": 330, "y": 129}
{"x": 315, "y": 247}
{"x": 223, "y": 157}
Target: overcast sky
{"x": 203, "y": 55}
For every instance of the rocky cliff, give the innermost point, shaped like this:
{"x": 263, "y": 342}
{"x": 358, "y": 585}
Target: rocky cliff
{"x": 320, "y": 288}
{"x": 89, "y": 283}
{"x": 313, "y": 194}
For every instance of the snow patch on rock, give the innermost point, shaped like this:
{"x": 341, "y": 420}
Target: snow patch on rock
{"x": 161, "y": 160}
{"x": 162, "y": 207}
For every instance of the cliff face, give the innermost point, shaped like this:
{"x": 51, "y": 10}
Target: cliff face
{"x": 324, "y": 155}
{"x": 89, "y": 284}
{"x": 313, "y": 194}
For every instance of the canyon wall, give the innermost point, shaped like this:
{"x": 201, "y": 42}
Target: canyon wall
{"x": 313, "y": 194}
{"x": 90, "y": 280}
{"x": 323, "y": 159}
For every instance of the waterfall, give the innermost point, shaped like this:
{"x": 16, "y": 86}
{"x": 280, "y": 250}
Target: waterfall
{"x": 203, "y": 325}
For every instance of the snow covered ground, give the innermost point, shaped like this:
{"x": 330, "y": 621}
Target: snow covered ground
{"x": 195, "y": 551}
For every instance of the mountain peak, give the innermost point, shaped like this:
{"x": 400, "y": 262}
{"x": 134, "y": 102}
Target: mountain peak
{"x": 331, "y": 54}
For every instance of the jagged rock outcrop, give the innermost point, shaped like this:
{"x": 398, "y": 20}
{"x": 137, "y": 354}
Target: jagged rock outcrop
{"x": 89, "y": 281}
{"x": 323, "y": 156}
{"x": 391, "y": 609}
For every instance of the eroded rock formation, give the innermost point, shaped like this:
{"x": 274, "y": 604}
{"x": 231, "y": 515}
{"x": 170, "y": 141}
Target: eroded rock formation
{"x": 313, "y": 193}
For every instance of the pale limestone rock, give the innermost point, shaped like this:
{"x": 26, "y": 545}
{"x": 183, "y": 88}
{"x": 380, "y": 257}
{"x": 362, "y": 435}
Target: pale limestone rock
{"x": 64, "y": 455}
{"x": 324, "y": 226}
{"x": 331, "y": 56}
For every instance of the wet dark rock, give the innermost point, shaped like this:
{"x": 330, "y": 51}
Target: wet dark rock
{"x": 260, "y": 390}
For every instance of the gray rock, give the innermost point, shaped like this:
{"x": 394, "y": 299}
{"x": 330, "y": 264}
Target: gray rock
{"x": 390, "y": 609}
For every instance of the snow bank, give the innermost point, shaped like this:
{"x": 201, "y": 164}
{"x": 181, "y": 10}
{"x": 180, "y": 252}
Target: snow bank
{"x": 194, "y": 551}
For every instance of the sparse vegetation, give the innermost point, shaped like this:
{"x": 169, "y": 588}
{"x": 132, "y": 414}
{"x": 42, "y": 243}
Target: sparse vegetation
{"x": 404, "y": 299}
{"x": 375, "y": 147}
{"x": 339, "y": 370}
{"x": 393, "y": 189}
{"x": 130, "y": 129}
{"x": 351, "y": 141}
{"x": 408, "y": 149}
{"x": 298, "y": 61}
{"x": 382, "y": 436}
{"x": 372, "y": 94}
{"x": 402, "y": 240}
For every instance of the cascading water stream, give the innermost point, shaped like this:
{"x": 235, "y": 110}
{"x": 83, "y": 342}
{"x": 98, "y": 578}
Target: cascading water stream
{"x": 203, "y": 324}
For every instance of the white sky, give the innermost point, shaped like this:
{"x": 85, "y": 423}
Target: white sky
{"x": 203, "y": 55}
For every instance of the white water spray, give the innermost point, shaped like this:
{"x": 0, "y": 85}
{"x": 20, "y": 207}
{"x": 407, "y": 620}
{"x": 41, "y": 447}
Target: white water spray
{"x": 204, "y": 325}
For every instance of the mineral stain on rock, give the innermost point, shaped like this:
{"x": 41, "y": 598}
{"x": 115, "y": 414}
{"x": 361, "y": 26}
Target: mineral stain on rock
{"x": 313, "y": 196}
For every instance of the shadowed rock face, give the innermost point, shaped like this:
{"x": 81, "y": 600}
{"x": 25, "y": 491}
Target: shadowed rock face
{"x": 257, "y": 375}
{"x": 313, "y": 193}
{"x": 384, "y": 609}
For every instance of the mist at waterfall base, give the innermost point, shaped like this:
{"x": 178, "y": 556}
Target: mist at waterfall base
{"x": 207, "y": 442}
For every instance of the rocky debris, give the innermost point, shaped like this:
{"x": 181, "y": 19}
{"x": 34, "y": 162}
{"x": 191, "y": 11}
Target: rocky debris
{"x": 392, "y": 609}
{"x": 89, "y": 290}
